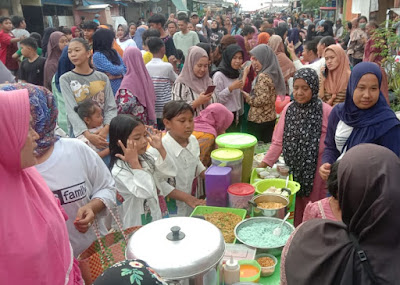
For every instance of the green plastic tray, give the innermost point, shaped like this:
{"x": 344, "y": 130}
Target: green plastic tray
{"x": 201, "y": 210}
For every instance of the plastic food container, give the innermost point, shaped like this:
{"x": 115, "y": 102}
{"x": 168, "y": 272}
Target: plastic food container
{"x": 269, "y": 197}
{"x": 267, "y": 270}
{"x": 250, "y": 271}
{"x": 232, "y": 158}
{"x": 217, "y": 182}
{"x": 245, "y": 143}
{"x": 239, "y": 195}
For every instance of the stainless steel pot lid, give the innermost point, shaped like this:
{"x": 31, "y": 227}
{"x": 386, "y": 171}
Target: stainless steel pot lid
{"x": 193, "y": 247}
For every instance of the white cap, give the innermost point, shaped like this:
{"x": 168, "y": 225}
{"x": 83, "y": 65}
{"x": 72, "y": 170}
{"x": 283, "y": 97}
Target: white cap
{"x": 199, "y": 26}
{"x": 231, "y": 264}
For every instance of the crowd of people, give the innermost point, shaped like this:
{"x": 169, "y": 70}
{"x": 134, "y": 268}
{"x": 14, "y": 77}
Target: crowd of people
{"x": 96, "y": 117}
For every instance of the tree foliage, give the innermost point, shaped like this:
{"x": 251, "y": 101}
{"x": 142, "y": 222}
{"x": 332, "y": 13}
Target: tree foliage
{"x": 313, "y": 4}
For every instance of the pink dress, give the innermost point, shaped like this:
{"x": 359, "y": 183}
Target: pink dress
{"x": 319, "y": 210}
{"x": 319, "y": 189}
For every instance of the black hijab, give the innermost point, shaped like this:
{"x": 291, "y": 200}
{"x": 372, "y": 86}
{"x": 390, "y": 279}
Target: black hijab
{"x": 302, "y": 134}
{"x": 225, "y": 66}
{"x": 102, "y": 42}
{"x": 369, "y": 182}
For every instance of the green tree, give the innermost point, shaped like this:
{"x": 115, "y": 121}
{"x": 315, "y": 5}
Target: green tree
{"x": 313, "y": 4}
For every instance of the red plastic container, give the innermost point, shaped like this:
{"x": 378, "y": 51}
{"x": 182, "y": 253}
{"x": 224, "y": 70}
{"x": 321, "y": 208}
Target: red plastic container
{"x": 239, "y": 195}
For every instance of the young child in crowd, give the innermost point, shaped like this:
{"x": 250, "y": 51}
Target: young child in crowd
{"x": 8, "y": 44}
{"x": 38, "y": 38}
{"x": 147, "y": 55}
{"x": 162, "y": 74}
{"x": 19, "y": 28}
{"x": 327, "y": 208}
{"x": 184, "y": 150}
{"x": 138, "y": 174}
{"x": 90, "y": 112}
{"x": 31, "y": 69}
{"x": 88, "y": 30}
{"x": 83, "y": 83}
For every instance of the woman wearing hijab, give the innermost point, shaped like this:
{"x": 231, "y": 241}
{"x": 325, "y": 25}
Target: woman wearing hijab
{"x": 263, "y": 38}
{"x": 106, "y": 59}
{"x": 64, "y": 65}
{"x": 215, "y": 35}
{"x": 136, "y": 95}
{"x": 228, "y": 84}
{"x": 122, "y": 273}
{"x": 364, "y": 117}
{"x": 324, "y": 30}
{"x": 45, "y": 40}
{"x": 123, "y": 38}
{"x": 56, "y": 44}
{"x": 266, "y": 86}
{"x": 191, "y": 84}
{"x": 114, "y": 44}
{"x": 240, "y": 41}
{"x": 287, "y": 66}
{"x": 138, "y": 37}
{"x": 358, "y": 250}
{"x": 295, "y": 38}
{"x": 226, "y": 41}
{"x": 335, "y": 76}
{"x": 76, "y": 32}
{"x": 65, "y": 162}
{"x": 311, "y": 33}
{"x": 212, "y": 122}
{"x": 33, "y": 221}
{"x": 300, "y": 135}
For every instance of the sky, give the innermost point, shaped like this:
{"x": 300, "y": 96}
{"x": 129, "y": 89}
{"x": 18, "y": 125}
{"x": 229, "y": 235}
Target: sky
{"x": 249, "y": 5}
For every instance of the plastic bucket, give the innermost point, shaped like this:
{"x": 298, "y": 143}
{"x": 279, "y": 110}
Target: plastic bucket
{"x": 232, "y": 158}
{"x": 246, "y": 143}
{"x": 240, "y": 194}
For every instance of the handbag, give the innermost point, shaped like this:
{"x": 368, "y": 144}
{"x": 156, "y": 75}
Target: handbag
{"x": 105, "y": 251}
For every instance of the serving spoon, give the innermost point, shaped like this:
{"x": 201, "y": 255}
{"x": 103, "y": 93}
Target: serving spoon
{"x": 278, "y": 231}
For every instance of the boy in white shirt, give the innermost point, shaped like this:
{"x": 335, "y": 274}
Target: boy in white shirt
{"x": 162, "y": 74}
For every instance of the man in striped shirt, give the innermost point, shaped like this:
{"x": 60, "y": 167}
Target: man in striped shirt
{"x": 162, "y": 74}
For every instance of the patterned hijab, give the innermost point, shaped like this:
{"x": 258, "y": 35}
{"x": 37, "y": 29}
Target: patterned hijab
{"x": 43, "y": 111}
{"x": 302, "y": 133}
{"x": 129, "y": 272}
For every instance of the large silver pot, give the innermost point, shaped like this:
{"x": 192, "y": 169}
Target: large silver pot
{"x": 181, "y": 250}
{"x": 269, "y": 197}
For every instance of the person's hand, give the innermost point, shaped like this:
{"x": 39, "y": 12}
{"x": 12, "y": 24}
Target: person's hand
{"x": 194, "y": 202}
{"x": 262, "y": 164}
{"x": 130, "y": 155}
{"x": 204, "y": 98}
{"x": 330, "y": 101}
{"x": 246, "y": 96}
{"x": 98, "y": 141}
{"x": 84, "y": 218}
{"x": 246, "y": 70}
{"x": 290, "y": 48}
{"x": 154, "y": 137}
{"x": 325, "y": 170}
{"x": 237, "y": 84}
{"x": 103, "y": 132}
{"x": 323, "y": 68}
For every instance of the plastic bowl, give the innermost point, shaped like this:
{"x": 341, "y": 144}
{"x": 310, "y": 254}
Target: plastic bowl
{"x": 254, "y": 278}
{"x": 264, "y": 185}
{"x": 267, "y": 271}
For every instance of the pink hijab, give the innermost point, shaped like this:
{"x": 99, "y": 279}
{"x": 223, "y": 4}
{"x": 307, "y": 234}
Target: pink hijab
{"x": 34, "y": 235}
{"x": 187, "y": 76}
{"x": 214, "y": 119}
{"x": 138, "y": 81}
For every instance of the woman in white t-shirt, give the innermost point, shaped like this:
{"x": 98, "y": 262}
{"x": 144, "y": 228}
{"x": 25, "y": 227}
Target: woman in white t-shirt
{"x": 124, "y": 40}
{"x": 73, "y": 171}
